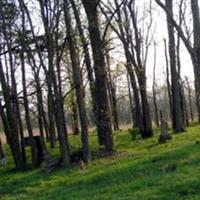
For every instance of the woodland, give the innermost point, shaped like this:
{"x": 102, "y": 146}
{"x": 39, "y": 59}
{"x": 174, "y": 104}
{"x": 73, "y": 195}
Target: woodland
{"x": 100, "y": 99}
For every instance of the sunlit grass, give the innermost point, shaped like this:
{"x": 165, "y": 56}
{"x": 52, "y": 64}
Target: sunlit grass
{"x": 140, "y": 169}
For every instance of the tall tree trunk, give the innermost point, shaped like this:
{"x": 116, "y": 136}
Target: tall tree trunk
{"x": 103, "y": 115}
{"x": 137, "y": 117}
{"x": 154, "y": 90}
{"x": 9, "y": 122}
{"x": 193, "y": 51}
{"x": 25, "y": 98}
{"x": 73, "y": 104}
{"x": 112, "y": 95}
{"x": 21, "y": 133}
{"x": 196, "y": 51}
{"x": 51, "y": 118}
{"x": 27, "y": 114}
{"x": 168, "y": 81}
{"x": 140, "y": 69}
{"x": 115, "y": 113}
{"x": 42, "y": 121}
{"x": 75, "y": 124}
{"x": 40, "y": 110}
{"x": 10, "y": 93}
{"x": 189, "y": 99}
{"x": 184, "y": 105}
{"x": 88, "y": 67}
{"x": 176, "y": 101}
{"x": 132, "y": 112}
{"x": 55, "y": 100}
{"x": 145, "y": 106}
{"x": 78, "y": 86}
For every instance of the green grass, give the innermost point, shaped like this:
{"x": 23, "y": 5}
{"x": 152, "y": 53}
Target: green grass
{"x": 140, "y": 170}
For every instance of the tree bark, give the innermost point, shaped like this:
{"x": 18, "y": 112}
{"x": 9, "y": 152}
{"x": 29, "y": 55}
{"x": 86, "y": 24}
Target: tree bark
{"x": 112, "y": 95}
{"x": 196, "y": 50}
{"x": 103, "y": 118}
{"x": 154, "y": 90}
{"x": 193, "y": 51}
{"x": 189, "y": 99}
{"x": 78, "y": 86}
{"x": 168, "y": 81}
{"x": 178, "y": 125}
{"x": 25, "y": 98}
{"x": 55, "y": 100}
{"x": 9, "y": 123}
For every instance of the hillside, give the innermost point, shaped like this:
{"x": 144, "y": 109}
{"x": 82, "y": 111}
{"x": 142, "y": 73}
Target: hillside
{"x": 140, "y": 169}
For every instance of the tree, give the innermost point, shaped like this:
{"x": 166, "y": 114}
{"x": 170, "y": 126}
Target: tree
{"x": 78, "y": 85}
{"x": 101, "y": 97}
{"x": 25, "y": 98}
{"x": 192, "y": 50}
{"x": 54, "y": 87}
{"x": 11, "y": 115}
{"x": 154, "y": 89}
{"x": 189, "y": 98}
{"x": 178, "y": 124}
{"x": 136, "y": 61}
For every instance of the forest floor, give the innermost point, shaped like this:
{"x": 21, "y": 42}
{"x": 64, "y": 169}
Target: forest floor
{"x": 139, "y": 170}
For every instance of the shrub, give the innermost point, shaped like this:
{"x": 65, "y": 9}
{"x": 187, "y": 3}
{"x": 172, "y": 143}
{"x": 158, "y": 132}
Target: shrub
{"x": 134, "y": 132}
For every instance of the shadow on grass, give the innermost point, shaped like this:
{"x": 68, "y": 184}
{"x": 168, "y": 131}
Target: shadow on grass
{"x": 125, "y": 179}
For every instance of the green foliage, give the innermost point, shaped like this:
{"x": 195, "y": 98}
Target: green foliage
{"x": 134, "y": 133}
{"x": 140, "y": 170}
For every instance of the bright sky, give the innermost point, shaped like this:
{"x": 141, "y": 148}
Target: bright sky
{"x": 161, "y": 32}
{"x": 159, "y": 18}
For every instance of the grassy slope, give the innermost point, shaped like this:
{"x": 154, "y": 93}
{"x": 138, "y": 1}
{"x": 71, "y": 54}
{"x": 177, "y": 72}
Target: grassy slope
{"x": 141, "y": 169}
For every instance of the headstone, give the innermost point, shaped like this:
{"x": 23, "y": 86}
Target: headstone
{"x": 164, "y": 136}
{"x": 82, "y": 165}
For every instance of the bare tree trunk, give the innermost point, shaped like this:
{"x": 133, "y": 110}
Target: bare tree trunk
{"x": 176, "y": 101}
{"x": 145, "y": 107}
{"x": 55, "y": 101}
{"x": 115, "y": 113}
{"x": 154, "y": 90}
{"x": 9, "y": 94}
{"x": 168, "y": 81}
{"x": 193, "y": 51}
{"x": 73, "y": 104}
{"x": 182, "y": 92}
{"x": 196, "y": 51}
{"x": 21, "y": 133}
{"x": 89, "y": 68}
{"x": 50, "y": 74}
{"x": 41, "y": 112}
{"x": 75, "y": 124}
{"x": 184, "y": 105}
{"x": 112, "y": 95}
{"x": 50, "y": 105}
{"x": 140, "y": 68}
{"x": 103, "y": 115}
{"x": 25, "y": 98}
{"x": 189, "y": 99}
{"x": 137, "y": 117}
{"x": 9, "y": 123}
{"x": 27, "y": 115}
{"x": 131, "y": 101}
{"x": 78, "y": 86}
